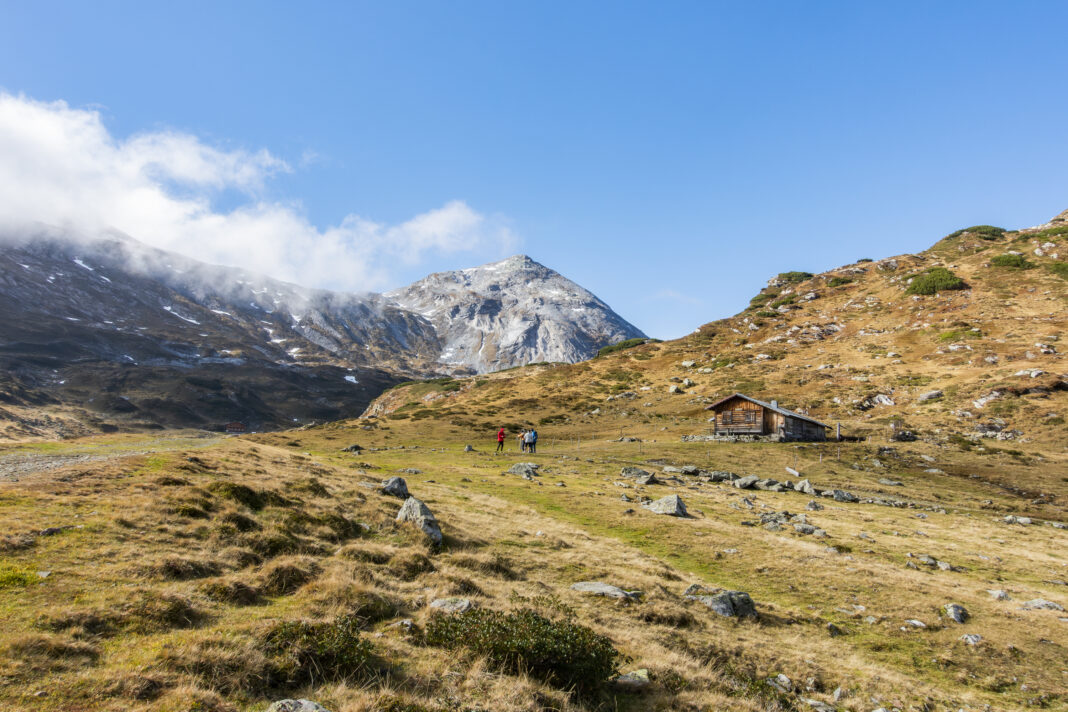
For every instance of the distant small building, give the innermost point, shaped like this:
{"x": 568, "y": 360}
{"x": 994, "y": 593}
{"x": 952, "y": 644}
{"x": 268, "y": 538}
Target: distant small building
{"x": 235, "y": 427}
{"x": 739, "y": 414}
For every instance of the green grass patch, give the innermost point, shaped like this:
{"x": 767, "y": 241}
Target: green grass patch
{"x": 12, "y": 576}
{"x": 1060, "y": 269}
{"x": 983, "y": 232}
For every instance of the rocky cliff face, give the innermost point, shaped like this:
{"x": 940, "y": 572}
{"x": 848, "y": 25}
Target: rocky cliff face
{"x": 511, "y": 313}
{"x": 136, "y": 333}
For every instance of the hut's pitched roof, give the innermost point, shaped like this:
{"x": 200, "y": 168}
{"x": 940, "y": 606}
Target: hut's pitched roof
{"x": 769, "y": 406}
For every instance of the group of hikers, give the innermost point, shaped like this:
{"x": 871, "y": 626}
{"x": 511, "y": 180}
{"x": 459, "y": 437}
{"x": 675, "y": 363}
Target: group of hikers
{"x": 528, "y": 440}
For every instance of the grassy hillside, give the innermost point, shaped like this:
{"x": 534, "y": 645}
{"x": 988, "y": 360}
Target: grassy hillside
{"x": 187, "y": 572}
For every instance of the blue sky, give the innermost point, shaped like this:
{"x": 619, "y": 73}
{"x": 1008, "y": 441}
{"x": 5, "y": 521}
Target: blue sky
{"x": 670, "y": 157}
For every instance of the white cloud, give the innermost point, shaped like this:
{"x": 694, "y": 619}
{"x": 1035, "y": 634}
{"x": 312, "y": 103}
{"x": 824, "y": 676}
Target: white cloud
{"x": 61, "y": 166}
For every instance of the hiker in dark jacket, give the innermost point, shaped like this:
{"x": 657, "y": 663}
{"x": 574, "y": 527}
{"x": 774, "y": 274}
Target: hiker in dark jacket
{"x": 532, "y": 444}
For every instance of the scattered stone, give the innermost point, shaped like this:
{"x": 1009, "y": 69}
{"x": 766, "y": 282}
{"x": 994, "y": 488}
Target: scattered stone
{"x": 835, "y": 631}
{"x": 396, "y": 487}
{"x": 634, "y": 681}
{"x": 671, "y": 505}
{"x": 648, "y": 479}
{"x": 805, "y": 529}
{"x": 971, "y": 638}
{"x": 296, "y": 706}
{"x": 1042, "y": 604}
{"x": 352, "y": 448}
{"x": 417, "y": 513}
{"x": 1012, "y": 519}
{"x": 674, "y": 389}
{"x": 843, "y": 496}
{"x": 746, "y": 482}
{"x": 998, "y": 594}
{"x": 633, "y": 472}
{"x": 468, "y": 448}
{"x": 890, "y": 483}
{"x": 688, "y": 364}
{"x": 912, "y": 622}
{"x": 526, "y": 469}
{"x": 813, "y": 506}
{"x": 597, "y": 588}
{"x": 956, "y": 612}
{"x": 730, "y": 604}
{"x": 451, "y": 605}
{"x": 817, "y": 705}
{"x": 410, "y": 471}
{"x": 929, "y": 395}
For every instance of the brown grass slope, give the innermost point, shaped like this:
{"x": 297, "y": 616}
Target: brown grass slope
{"x": 219, "y": 573}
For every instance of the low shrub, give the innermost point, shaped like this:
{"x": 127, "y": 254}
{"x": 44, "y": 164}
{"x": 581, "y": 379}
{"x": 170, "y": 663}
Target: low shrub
{"x": 766, "y": 314}
{"x": 240, "y": 522}
{"x": 310, "y": 653}
{"x": 12, "y": 576}
{"x": 144, "y": 612}
{"x": 243, "y": 494}
{"x": 983, "y": 232}
{"x": 622, "y": 345}
{"x": 794, "y": 277}
{"x": 864, "y": 259}
{"x": 1014, "y": 261}
{"x": 934, "y": 280}
{"x": 558, "y": 652}
{"x": 789, "y": 299}
{"x": 838, "y": 281}
{"x": 178, "y": 568}
{"x": 409, "y": 566}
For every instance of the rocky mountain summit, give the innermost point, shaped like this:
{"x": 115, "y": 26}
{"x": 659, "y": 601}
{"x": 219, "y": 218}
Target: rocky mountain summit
{"x": 512, "y": 313}
{"x": 136, "y": 333}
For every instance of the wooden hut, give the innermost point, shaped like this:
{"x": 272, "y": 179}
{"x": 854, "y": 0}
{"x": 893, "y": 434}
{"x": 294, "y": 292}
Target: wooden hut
{"x": 235, "y": 427}
{"x": 739, "y": 414}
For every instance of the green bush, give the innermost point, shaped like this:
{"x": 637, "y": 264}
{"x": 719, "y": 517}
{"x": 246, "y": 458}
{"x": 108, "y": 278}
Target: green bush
{"x": 983, "y": 232}
{"x": 864, "y": 259}
{"x": 794, "y": 277}
{"x": 838, "y": 281}
{"x": 559, "y": 652}
{"x": 767, "y": 314}
{"x": 1015, "y": 261}
{"x": 307, "y": 653}
{"x": 934, "y": 280}
{"x": 622, "y": 345}
{"x": 790, "y": 299}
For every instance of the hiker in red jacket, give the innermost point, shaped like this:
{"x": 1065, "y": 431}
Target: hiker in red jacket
{"x": 500, "y": 441}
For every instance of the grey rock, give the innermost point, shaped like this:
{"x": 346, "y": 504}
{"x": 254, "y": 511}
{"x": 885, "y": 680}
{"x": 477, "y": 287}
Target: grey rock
{"x": 971, "y": 638}
{"x": 890, "y": 483}
{"x": 730, "y": 604}
{"x": 843, "y": 496}
{"x": 649, "y": 479}
{"x": 805, "y": 487}
{"x": 956, "y": 612}
{"x": 805, "y": 529}
{"x": 928, "y": 396}
{"x": 633, "y": 472}
{"x": 817, "y": 705}
{"x": 451, "y": 605}
{"x": 352, "y": 448}
{"x": 813, "y": 506}
{"x": 1042, "y": 604}
{"x": 597, "y": 588}
{"x": 396, "y": 487}
{"x": 835, "y": 631}
{"x": 415, "y": 512}
{"x": 468, "y": 448}
{"x": 634, "y": 681}
{"x": 671, "y": 505}
{"x": 746, "y": 482}
{"x": 410, "y": 471}
{"x": 998, "y": 595}
{"x": 915, "y": 623}
{"x": 296, "y": 706}
{"x": 526, "y": 469}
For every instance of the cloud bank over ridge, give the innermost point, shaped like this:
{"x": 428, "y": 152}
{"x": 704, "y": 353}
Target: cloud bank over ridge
{"x": 61, "y": 166}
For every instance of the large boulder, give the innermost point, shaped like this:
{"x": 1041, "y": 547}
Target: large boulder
{"x": 805, "y": 487}
{"x": 396, "y": 487}
{"x": 746, "y": 482}
{"x": 649, "y": 479}
{"x": 296, "y": 706}
{"x": 632, "y": 472}
{"x": 451, "y": 605}
{"x": 415, "y": 512}
{"x": 597, "y": 588}
{"x": 525, "y": 469}
{"x": 671, "y": 505}
{"x": 729, "y": 604}
{"x": 956, "y": 612}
